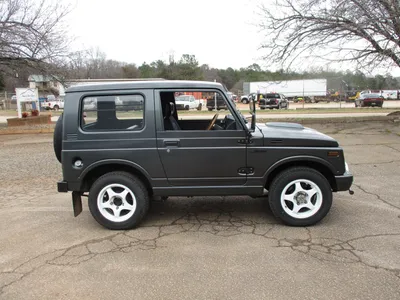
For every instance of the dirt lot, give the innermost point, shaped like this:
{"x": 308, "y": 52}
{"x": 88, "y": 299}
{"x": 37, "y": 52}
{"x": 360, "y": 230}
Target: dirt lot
{"x": 202, "y": 248}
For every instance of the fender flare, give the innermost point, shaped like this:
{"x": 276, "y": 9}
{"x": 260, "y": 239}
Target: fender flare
{"x": 301, "y": 158}
{"x": 122, "y": 162}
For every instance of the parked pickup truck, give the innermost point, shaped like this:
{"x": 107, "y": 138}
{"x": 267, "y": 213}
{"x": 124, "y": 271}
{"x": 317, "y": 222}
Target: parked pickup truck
{"x": 52, "y": 103}
{"x": 121, "y": 159}
{"x": 187, "y": 102}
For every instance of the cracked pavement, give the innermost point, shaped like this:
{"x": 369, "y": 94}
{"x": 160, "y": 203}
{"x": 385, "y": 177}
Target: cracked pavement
{"x": 202, "y": 247}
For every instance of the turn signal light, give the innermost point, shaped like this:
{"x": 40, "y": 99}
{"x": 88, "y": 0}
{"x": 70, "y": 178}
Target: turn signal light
{"x": 333, "y": 154}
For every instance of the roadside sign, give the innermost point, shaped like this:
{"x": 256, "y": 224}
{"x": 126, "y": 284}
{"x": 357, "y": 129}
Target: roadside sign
{"x": 26, "y": 95}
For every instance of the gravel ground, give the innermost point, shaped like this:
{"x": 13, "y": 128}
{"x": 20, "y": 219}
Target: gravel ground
{"x": 205, "y": 247}
{"x": 28, "y": 168}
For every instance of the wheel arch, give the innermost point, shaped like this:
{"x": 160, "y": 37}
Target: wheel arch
{"x": 325, "y": 168}
{"x": 98, "y": 169}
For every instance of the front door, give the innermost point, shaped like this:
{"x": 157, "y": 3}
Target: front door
{"x": 194, "y": 156}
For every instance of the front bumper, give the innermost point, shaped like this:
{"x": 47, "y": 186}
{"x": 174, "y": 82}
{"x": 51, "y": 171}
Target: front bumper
{"x": 344, "y": 182}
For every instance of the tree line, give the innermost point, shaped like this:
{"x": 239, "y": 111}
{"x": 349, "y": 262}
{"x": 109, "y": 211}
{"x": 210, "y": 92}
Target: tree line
{"x": 34, "y": 40}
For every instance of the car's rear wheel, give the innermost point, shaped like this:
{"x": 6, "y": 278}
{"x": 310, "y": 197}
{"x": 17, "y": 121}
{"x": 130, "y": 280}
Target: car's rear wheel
{"x": 200, "y": 107}
{"x": 118, "y": 200}
{"x": 245, "y": 101}
{"x": 56, "y": 107}
{"x": 300, "y": 196}
{"x": 187, "y": 107}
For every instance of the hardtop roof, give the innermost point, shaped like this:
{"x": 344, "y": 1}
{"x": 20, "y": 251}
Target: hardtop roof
{"x": 153, "y": 84}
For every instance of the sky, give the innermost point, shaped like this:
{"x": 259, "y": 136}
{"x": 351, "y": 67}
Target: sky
{"x": 219, "y": 33}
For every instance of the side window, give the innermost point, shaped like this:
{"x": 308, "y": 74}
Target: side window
{"x": 113, "y": 113}
{"x": 197, "y": 110}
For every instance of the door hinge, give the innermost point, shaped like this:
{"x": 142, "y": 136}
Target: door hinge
{"x": 246, "y": 171}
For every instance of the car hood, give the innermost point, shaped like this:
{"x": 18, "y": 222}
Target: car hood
{"x": 294, "y": 135}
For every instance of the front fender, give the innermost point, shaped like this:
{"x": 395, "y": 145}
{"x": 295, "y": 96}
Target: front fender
{"x": 303, "y": 159}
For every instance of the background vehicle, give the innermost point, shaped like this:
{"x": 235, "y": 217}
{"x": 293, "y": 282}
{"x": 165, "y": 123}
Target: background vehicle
{"x": 186, "y": 102}
{"x": 53, "y": 103}
{"x": 273, "y": 100}
{"x": 369, "y": 100}
{"x": 308, "y": 89}
{"x": 221, "y": 104}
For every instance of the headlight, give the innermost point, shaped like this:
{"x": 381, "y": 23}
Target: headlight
{"x": 347, "y": 167}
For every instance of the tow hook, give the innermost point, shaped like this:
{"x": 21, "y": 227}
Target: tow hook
{"x": 351, "y": 192}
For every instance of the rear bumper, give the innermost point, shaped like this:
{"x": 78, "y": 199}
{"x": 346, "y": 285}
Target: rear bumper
{"x": 372, "y": 102}
{"x": 344, "y": 182}
{"x": 62, "y": 187}
{"x": 65, "y": 187}
{"x": 269, "y": 105}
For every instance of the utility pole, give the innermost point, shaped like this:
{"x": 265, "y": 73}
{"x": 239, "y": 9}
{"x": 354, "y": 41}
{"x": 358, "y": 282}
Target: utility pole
{"x": 215, "y": 97}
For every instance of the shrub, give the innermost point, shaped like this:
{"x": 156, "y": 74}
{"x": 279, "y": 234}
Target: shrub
{"x": 34, "y": 112}
{"x": 25, "y": 114}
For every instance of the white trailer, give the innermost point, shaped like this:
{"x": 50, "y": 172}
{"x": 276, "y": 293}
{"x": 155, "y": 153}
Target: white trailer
{"x": 292, "y": 88}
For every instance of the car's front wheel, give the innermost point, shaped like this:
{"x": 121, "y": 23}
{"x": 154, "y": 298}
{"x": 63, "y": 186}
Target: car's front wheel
{"x": 300, "y": 196}
{"x": 118, "y": 200}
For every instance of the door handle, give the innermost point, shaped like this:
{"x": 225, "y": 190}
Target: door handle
{"x": 172, "y": 143}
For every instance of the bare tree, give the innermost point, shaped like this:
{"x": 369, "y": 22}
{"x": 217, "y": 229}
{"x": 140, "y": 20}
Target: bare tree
{"x": 364, "y": 32}
{"x": 32, "y": 34}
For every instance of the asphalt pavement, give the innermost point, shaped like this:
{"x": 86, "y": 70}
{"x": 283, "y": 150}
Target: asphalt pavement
{"x": 204, "y": 247}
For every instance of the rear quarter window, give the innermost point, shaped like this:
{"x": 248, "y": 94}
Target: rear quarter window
{"x": 113, "y": 113}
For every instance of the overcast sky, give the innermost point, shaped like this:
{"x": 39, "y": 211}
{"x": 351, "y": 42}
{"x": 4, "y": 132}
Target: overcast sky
{"x": 219, "y": 33}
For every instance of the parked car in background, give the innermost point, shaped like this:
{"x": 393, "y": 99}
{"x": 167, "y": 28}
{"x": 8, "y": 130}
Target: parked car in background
{"x": 244, "y": 99}
{"x": 53, "y": 103}
{"x": 369, "y": 100}
{"x": 221, "y": 104}
{"x": 272, "y": 100}
{"x": 187, "y": 102}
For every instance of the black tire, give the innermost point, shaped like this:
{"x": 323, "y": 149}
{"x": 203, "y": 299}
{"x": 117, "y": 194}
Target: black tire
{"x": 210, "y": 109}
{"x": 245, "y": 101}
{"x": 279, "y": 106}
{"x": 56, "y": 107}
{"x": 135, "y": 185}
{"x": 187, "y": 107}
{"x": 200, "y": 107}
{"x": 286, "y": 177}
{"x": 57, "y": 138}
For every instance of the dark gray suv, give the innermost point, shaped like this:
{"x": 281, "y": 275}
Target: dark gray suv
{"x": 273, "y": 100}
{"x": 121, "y": 144}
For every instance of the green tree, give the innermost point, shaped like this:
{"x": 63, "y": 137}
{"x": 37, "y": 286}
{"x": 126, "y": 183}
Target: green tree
{"x": 229, "y": 77}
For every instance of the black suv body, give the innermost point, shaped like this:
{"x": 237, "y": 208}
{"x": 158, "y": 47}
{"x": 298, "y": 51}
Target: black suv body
{"x": 122, "y": 159}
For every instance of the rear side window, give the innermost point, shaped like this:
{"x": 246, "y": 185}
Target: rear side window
{"x": 113, "y": 113}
